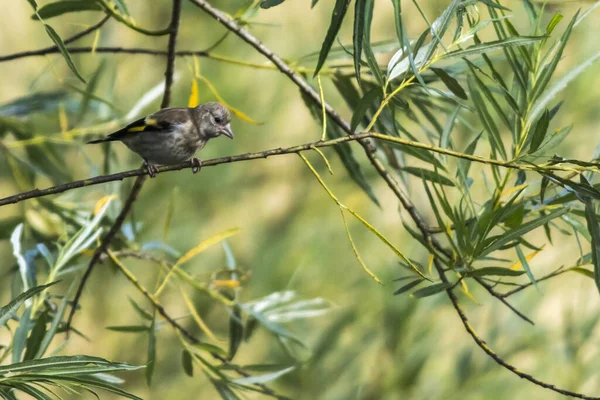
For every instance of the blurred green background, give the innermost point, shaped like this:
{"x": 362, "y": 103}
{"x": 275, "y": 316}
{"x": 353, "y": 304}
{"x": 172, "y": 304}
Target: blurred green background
{"x": 371, "y": 344}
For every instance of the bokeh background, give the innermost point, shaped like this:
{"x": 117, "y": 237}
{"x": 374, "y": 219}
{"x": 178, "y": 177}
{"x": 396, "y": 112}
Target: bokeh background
{"x": 371, "y": 344}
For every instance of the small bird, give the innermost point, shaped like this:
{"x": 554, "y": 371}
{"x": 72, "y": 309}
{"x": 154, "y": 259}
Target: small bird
{"x": 173, "y": 135}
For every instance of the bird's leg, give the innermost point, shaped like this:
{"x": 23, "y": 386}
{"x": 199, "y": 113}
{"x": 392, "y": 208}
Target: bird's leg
{"x": 152, "y": 169}
{"x": 196, "y": 164}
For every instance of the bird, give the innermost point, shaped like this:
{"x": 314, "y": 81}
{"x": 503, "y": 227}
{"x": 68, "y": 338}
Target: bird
{"x": 173, "y": 135}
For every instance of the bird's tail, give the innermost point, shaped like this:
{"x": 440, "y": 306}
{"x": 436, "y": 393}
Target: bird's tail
{"x": 105, "y": 139}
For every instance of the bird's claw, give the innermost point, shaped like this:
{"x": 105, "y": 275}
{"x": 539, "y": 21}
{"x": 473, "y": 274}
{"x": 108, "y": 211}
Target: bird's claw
{"x": 152, "y": 169}
{"x": 196, "y": 164}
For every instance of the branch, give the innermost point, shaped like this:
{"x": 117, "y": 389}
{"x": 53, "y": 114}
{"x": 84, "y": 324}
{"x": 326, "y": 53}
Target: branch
{"x": 528, "y": 284}
{"x": 166, "y": 168}
{"x": 139, "y": 182}
{"x": 170, "y": 320}
{"x": 483, "y": 345}
{"x": 500, "y": 297}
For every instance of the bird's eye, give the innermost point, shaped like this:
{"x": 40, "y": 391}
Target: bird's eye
{"x": 218, "y": 120}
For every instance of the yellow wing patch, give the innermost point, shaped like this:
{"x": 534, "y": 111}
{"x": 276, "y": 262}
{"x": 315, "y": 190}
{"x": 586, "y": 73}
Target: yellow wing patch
{"x": 147, "y": 122}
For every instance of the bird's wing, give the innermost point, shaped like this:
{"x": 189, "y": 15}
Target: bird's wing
{"x": 162, "y": 120}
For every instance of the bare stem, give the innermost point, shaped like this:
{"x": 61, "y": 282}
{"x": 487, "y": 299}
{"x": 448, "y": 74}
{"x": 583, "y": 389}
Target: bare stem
{"x": 139, "y": 182}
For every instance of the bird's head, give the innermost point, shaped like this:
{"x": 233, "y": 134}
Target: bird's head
{"x": 214, "y": 120}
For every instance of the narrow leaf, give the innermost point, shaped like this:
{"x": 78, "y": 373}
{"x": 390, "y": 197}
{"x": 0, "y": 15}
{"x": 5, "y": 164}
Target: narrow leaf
{"x": 495, "y": 271}
{"x": 431, "y": 290}
{"x": 62, "y": 7}
{"x": 451, "y": 83}
{"x": 339, "y": 12}
{"x": 428, "y": 175}
{"x": 8, "y": 310}
{"x": 594, "y": 229}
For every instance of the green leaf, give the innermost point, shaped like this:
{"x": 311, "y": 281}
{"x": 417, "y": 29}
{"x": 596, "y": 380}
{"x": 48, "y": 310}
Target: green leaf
{"x": 36, "y": 336}
{"x": 553, "y": 22}
{"x": 358, "y": 34}
{"x": 552, "y": 141}
{"x": 339, "y": 12}
{"x": 150, "y": 364}
{"x": 428, "y": 175}
{"x": 487, "y": 47}
{"x": 273, "y": 327}
{"x": 252, "y": 380}
{"x": 8, "y": 311}
{"x": 408, "y": 286}
{"x": 186, "y": 363}
{"x": 141, "y": 312}
{"x": 515, "y": 234}
{"x": 62, "y": 363}
{"x": 421, "y": 154}
{"x": 368, "y": 50}
{"x": 270, "y": 3}
{"x": 63, "y": 50}
{"x": 486, "y": 119}
{"x": 493, "y": 4}
{"x": 373, "y": 96}
{"x": 594, "y": 229}
{"x": 128, "y": 328}
{"x": 62, "y": 7}
{"x": 548, "y": 70}
{"x": 20, "y": 335}
{"x": 465, "y": 165}
{"x": 344, "y": 150}
{"x": 431, "y": 290}
{"x": 584, "y": 272}
{"x": 560, "y": 84}
{"x": 541, "y": 128}
{"x": 58, "y": 316}
{"x": 495, "y": 271}
{"x": 236, "y": 331}
{"x": 526, "y": 267}
{"x": 451, "y": 83}
{"x": 224, "y": 390}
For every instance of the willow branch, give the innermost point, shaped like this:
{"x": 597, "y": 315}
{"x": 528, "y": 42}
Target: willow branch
{"x": 501, "y": 298}
{"x": 243, "y": 157}
{"x": 528, "y": 284}
{"x": 177, "y": 167}
{"x": 139, "y": 182}
{"x": 492, "y": 354}
{"x": 55, "y": 49}
{"x": 191, "y": 338}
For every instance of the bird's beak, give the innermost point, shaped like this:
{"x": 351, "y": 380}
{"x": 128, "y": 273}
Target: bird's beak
{"x": 227, "y": 131}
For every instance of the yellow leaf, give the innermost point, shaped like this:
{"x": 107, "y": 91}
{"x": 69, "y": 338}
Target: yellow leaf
{"x": 102, "y": 202}
{"x": 197, "y": 317}
{"x": 95, "y": 42}
{"x": 195, "y": 251}
{"x": 227, "y": 283}
{"x": 63, "y": 120}
{"x": 206, "y": 244}
{"x": 512, "y": 190}
{"x": 465, "y": 290}
{"x": 193, "y": 101}
{"x": 430, "y": 263}
{"x": 518, "y": 265}
{"x": 234, "y": 110}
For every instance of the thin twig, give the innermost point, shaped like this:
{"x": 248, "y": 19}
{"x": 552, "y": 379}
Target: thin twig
{"x": 55, "y": 49}
{"x": 170, "y": 320}
{"x": 528, "y": 284}
{"x": 500, "y": 297}
{"x": 139, "y": 182}
{"x": 205, "y": 163}
{"x": 84, "y": 32}
{"x": 370, "y": 152}
{"x": 240, "y": 157}
{"x": 483, "y": 345}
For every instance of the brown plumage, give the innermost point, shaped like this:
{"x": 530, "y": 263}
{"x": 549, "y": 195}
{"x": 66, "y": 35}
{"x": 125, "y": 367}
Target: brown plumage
{"x": 174, "y": 135}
